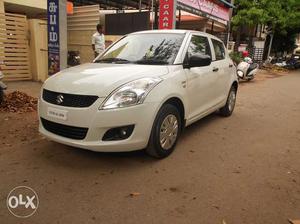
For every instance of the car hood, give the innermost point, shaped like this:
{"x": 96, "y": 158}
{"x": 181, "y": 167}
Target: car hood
{"x": 100, "y": 79}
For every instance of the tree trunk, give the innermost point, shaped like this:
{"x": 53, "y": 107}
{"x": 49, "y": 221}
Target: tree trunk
{"x": 238, "y": 39}
{"x": 250, "y": 41}
{"x": 270, "y": 45}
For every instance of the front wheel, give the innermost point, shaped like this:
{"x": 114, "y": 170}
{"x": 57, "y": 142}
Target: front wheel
{"x": 165, "y": 132}
{"x": 227, "y": 110}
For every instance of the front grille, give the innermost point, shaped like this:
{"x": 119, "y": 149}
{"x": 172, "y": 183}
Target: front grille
{"x": 68, "y": 100}
{"x": 67, "y": 131}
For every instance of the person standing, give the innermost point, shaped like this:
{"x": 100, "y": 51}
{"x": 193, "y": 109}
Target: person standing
{"x": 98, "y": 41}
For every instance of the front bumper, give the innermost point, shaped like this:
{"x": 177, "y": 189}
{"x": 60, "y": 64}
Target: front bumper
{"x": 99, "y": 121}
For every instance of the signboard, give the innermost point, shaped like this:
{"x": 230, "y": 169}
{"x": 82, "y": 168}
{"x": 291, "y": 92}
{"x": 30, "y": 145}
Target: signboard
{"x": 70, "y": 8}
{"x": 53, "y": 37}
{"x": 167, "y": 14}
{"x": 207, "y": 6}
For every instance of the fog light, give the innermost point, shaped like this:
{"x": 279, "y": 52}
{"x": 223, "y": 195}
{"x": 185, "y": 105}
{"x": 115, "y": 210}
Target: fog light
{"x": 119, "y": 133}
{"x": 123, "y": 132}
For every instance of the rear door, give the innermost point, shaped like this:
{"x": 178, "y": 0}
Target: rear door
{"x": 200, "y": 80}
{"x": 222, "y": 66}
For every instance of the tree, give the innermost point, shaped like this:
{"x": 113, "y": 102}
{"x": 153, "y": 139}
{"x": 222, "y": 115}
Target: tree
{"x": 281, "y": 17}
{"x": 247, "y": 13}
{"x": 282, "y": 42}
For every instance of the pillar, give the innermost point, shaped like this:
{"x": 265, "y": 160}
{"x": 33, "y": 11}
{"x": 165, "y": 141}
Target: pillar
{"x": 2, "y": 6}
{"x": 57, "y": 35}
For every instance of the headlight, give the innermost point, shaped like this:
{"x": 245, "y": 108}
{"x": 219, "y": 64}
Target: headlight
{"x": 240, "y": 73}
{"x": 130, "y": 94}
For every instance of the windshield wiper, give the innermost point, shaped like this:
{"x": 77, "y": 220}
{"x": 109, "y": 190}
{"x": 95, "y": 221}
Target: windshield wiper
{"x": 152, "y": 62}
{"x": 110, "y": 60}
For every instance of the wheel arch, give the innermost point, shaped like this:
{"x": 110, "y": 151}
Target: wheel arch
{"x": 178, "y": 103}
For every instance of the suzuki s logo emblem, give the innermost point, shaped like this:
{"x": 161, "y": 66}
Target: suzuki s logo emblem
{"x": 59, "y": 99}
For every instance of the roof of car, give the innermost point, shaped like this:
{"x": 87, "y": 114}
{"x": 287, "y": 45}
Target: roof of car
{"x": 175, "y": 31}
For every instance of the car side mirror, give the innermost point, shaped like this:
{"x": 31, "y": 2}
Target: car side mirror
{"x": 198, "y": 60}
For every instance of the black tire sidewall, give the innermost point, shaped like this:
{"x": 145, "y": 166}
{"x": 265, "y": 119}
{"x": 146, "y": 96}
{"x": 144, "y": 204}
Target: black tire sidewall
{"x": 165, "y": 110}
{"x": 225, "y": 110}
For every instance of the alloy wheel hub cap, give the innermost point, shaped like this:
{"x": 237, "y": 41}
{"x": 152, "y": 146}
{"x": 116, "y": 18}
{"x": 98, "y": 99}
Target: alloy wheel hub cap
{"x": 168, "y": 132}
{"x": 231, "y": 102}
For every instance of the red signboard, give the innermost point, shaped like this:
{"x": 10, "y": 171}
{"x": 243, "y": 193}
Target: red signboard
{"x": 167, "y": 14}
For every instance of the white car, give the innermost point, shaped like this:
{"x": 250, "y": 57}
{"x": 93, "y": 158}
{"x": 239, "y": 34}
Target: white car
{"x": 140, "y": 93}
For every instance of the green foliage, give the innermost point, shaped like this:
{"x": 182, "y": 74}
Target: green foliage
{"x": 236, "y": 57}
{"x": 281, "y": 15}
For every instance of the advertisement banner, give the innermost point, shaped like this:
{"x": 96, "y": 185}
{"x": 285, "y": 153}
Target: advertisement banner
{"x": 53, "y": 37}
{"x": 209, "y": 7}
{"x": 167, "y": 14}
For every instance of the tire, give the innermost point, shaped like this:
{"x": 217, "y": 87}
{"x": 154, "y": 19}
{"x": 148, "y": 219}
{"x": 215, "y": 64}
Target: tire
{"x": 227, "y": 110}
{"x": 164, "y": 123}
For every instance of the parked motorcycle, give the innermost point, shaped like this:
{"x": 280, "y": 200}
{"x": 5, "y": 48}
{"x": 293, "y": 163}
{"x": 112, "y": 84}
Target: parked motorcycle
{"x": 73, "y": 58}
{"x": 246, "y": 69}
{"x": 293, "y": 62}
{"x": 2, "y": 85}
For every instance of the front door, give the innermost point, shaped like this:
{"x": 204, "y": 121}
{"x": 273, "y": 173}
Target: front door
{"x": 200, "y": 80}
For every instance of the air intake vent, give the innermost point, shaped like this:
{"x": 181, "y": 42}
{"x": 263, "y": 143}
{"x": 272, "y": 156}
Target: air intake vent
{"x": 67, "y": 131}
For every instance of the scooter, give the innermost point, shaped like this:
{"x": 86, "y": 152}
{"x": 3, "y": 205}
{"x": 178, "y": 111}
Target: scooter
{"x": 2, "y": 86}
{"x": 246, "y": 69}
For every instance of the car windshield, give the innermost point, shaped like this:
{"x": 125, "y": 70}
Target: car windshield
{"x": 157, "y": 49}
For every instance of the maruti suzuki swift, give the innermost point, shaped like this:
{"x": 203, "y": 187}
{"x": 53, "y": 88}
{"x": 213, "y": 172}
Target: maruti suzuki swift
{"x": 140, "y": 93}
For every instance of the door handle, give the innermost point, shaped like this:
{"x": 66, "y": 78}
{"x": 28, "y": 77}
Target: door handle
{"x": 230, "y": 65}
{"x": 215, "y": 69}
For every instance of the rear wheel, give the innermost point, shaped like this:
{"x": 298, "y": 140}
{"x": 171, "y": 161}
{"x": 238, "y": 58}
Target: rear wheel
{"x": 165, "y": 132}
{"x": 227, "y": 110}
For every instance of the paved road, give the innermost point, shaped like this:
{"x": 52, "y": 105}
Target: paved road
{"x": 242, "y": 169}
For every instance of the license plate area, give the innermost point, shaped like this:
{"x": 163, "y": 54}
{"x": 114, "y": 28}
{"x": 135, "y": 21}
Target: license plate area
{"x": 57, "y": 113}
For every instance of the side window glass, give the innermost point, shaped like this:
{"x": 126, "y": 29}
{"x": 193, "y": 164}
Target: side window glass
{"x": 198, "y": 45}
{"x": 219, "y": 49}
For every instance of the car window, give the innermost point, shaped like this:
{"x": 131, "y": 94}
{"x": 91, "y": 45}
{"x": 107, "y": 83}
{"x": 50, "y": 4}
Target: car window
{"x": 198, "y": 45}
{"x": 219, "y": 49}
